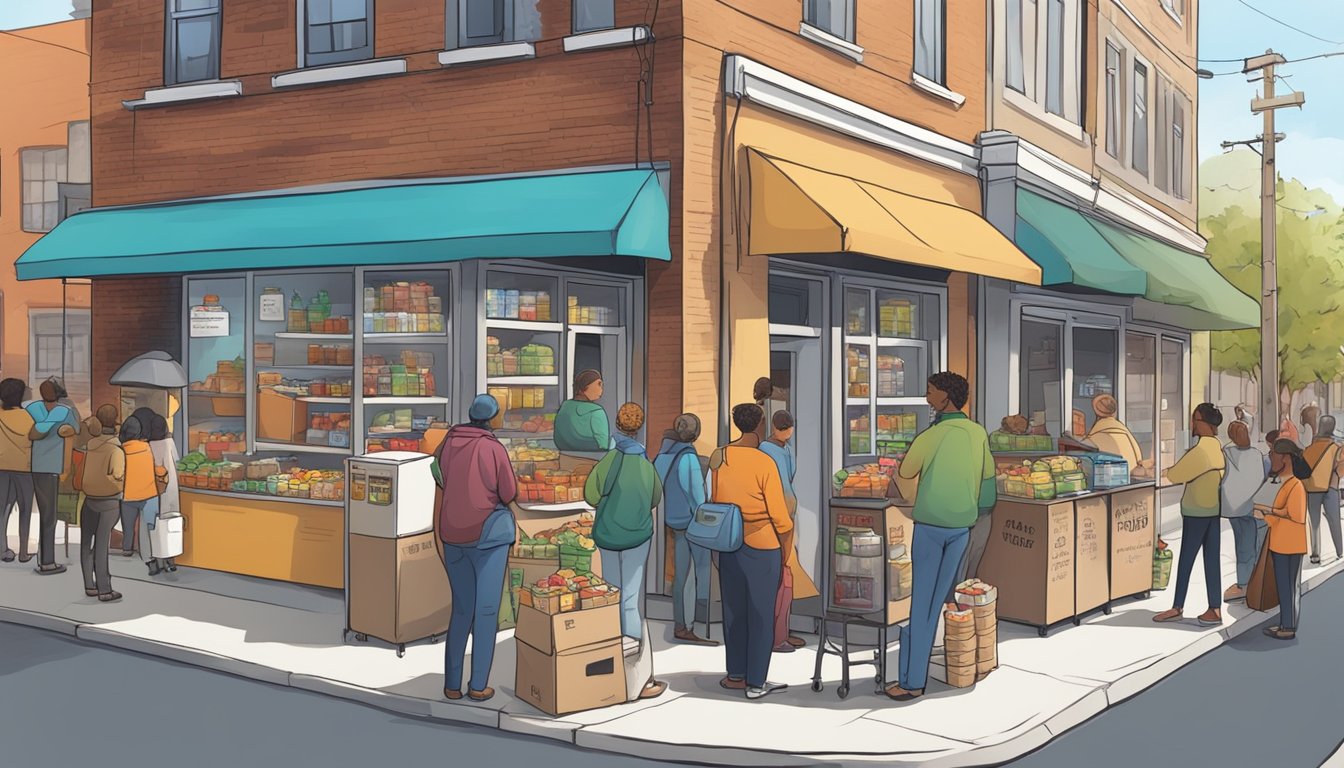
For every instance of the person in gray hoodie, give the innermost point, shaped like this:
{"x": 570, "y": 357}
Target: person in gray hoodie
{"x": 1245, "y": 474}
{"x": 683, "y": 477}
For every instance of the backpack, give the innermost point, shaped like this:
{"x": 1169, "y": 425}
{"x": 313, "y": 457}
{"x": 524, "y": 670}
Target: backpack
{"x": 715, "y": 526}
{"x": 672, "y": 467}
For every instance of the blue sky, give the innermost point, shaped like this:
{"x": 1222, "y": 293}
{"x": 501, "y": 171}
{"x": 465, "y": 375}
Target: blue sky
{"x": 1314, "y": 151}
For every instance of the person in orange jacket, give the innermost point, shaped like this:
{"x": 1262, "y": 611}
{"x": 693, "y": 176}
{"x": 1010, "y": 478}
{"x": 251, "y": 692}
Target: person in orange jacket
{"x": 141, "y": 489}
{"x": 1287, "y": 521}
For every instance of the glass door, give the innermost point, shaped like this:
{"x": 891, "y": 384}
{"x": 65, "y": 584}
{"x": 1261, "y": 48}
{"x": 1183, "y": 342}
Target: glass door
{"x": 1141, "y": 391}
{"x": 1175, "y": 413}
{"x": 1041, "y": 375}
{"x": 1095, "y": 359}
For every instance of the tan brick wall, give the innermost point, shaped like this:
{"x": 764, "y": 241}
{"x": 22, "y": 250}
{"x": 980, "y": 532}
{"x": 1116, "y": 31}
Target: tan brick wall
{"x": 132, "y": 316}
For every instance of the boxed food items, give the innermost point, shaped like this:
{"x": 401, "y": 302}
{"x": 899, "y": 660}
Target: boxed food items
{"x": 529, "y": 360}
{"x": 867, "y": 481}
{"x": 1104, "y": 470}
{"x": 896, "y": 317}
{"x": 510, "y": 304}
{"x": 959, "y": 644}
{"x": 405, "y": 378}
{"x": 982, "y": 600}
{"x": 857, "y": 363}
{"x": 588, "y": 677}
{"x": 522, "y": 451}
{"x": 215, "y": 444}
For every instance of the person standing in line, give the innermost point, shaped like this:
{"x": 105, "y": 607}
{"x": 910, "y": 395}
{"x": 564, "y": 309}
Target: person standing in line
{"x": 1271, "y": 437}
{"x": 743, "y": 475}
{"x": 624, "y": 489}
{"x": 103, "y": 484}
{"x": 581, "y": 425}
{"x": 56, "y": 423}
{"x": 955, "y": 473}
{"x": 1245, "y": 474}
{"x": 140, "y": 493}
{"x": 1246, "y": 415}
{"x": 473, "y": 530}
{"x": 164, "y": 451}
{"x": 761, "y": 392}
{"x": 777, "y": 448}
{"x": 1311, "y": 414}
{"x": 17, "y": 432}
{"x": 683, "y": 492}
{"x": 1322, "y": 455}
{"x": 1201, "y": 471}
{"x": 1287, "y": 521}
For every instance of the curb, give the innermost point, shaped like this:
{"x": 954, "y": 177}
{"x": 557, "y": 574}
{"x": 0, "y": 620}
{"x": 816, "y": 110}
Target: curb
{"x": 1091, "y": 704}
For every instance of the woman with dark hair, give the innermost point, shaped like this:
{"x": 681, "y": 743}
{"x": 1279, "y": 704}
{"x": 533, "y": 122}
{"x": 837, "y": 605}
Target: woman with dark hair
{"x": 141, "y": 493}
{"x": 165, "y": 504}
{"x": 1287, "y": 521}
{"x": 761, "y": 393}
{"x": 581, "y": 425}
{"x": 16, "y": 466}
{"x": 1201, "y": 470}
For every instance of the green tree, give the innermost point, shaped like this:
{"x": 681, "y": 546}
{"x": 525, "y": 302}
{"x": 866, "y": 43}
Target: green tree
{"x": 1311, "y": 282}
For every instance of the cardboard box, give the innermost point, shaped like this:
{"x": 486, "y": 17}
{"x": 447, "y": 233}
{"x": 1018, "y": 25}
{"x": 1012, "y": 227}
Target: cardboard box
{"x": 398, "y": 589}
{"x": 1132, "y": 542}
{"x": 281, "y": 418}
{"x": 1093, "y": 588}
{"x": 1030, "y": 559}
{"x": 567, "y": 631}
{"x": 576, "y": 680}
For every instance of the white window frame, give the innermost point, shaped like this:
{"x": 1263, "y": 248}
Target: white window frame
{"x": 848, "y": 34}
{"x": 1036, "y": 58}
{"x": 50, "y": 187}
{"x": 1161, "y": 143}
{"x": 1135, "y": 129}
{"x": 1179, "y": 151}
{"x": 1114, "y": 89}
{"x": 1015, "y": 46}
{"x": 935, "y": 69}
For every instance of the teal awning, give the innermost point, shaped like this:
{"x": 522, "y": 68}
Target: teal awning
{"x": 599, "y": 213}
{"x": 1186, "y": 282}
{"x": 1070, "y": 250}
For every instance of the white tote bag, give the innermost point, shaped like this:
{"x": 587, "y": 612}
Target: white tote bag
{"x": 166, "y": 536}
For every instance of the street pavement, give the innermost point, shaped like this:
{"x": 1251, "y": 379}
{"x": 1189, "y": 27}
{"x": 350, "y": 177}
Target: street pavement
{"x": 1254, "y": 701}
{"x": 65, "y": 702}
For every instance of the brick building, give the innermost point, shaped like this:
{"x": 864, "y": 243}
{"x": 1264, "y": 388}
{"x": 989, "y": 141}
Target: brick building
{"x": 715, "y": 191}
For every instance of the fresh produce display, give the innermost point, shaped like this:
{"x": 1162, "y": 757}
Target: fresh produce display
{"x": 867, "y": 481}
{"x": 402, "y": 307}
{"x": 266, "y": 477}
{"x": 568, "y": 590}
{"x": 547, "y": 544}
{"x": 521, "y": 451}
{"x": 382, "y": 444}
{"x": 1012, "y": 435}
{"x": 1044, "y": 478}
{"x": 539, "y": 423}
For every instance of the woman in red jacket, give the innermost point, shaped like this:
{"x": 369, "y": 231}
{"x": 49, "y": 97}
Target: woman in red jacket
{"x": 473, "y": 529}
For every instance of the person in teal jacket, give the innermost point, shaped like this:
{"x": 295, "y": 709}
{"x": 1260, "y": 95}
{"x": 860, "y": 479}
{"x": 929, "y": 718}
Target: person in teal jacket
{"x": 624, "y": 488}
{"x": 581, "y": 425}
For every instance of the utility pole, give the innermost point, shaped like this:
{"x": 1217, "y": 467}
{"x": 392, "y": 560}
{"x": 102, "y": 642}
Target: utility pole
{"x": 1269, "y": 280}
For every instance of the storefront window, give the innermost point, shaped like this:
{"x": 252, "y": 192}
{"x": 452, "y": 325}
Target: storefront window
{"x": 1141, "y": 389}
{"x": 1041, "y": 376}
{"x": 1095, "y": 357}
{"x": 795, "y": 302}
{"x": 886, "y": 365}
{"x": 217, "y": 397}
{"x": 1175, "y": 417}
{"x": 593, "y": 304}
{"x": 406, "y": 361}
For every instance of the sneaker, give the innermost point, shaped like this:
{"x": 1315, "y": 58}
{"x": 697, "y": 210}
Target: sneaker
{"x": 1234, "y": 594}
{"x": 1211, "y": 618}
{"x": 1174, "y": 614}
{"x": 754, "y": 692}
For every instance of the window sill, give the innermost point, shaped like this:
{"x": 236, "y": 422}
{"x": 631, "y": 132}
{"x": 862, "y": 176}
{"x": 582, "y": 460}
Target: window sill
{"x": 1038, "y": 112}
{"x": 485, "y": 53}
{"x": 827, "y": 40}
{"x": 176, "y": 94}
{"x": 606, "y": 38}
{"x": 337, "y": 72}
{"x": 934, "y": 88}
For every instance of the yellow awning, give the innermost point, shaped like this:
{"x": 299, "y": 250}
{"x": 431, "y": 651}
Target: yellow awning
{"x": 797, "y": 210}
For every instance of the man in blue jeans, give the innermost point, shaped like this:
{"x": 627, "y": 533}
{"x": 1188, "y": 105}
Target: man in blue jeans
{"x": 952, "y": 463}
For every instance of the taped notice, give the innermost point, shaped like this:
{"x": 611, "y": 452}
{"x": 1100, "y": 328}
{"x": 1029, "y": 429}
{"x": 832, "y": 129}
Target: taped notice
{"x": 209, "y": 321}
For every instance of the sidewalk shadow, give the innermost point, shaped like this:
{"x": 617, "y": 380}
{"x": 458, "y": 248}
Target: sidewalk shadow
{"x": 1142, "y": 619}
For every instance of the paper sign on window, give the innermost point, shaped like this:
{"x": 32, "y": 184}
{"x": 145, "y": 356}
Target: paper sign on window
{"x": 209, "y": 321}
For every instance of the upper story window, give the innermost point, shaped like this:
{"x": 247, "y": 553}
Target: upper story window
{"x": 1138, "y": 130}
{"x": 835, "y": 17}
{"x": 490, "y": 22}
{"x": 337, "y": 31}
{"x": 931, "y": 40}
{"x": 192, "y": 41}
{"x": 1178, "y": 115}
{"x": 1115, "y": 89}
{"x": 44, "y": 170}
{"x": 1043, "y": 54}
{"x": 594, "y": 15}
{"x": 1176, "y": 8}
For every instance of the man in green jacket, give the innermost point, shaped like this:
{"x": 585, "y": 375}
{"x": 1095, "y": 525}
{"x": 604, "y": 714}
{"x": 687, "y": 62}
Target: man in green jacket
{"x": 624, "y": 489}
{"x": 955, "y": 470}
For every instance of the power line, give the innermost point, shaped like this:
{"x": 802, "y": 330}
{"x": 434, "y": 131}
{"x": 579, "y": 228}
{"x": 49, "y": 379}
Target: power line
{"x": 1289, "y": 26}
{"x": 44, "y": 42}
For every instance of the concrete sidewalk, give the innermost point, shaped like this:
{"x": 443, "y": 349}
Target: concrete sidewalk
{"x": 292, "y": 636}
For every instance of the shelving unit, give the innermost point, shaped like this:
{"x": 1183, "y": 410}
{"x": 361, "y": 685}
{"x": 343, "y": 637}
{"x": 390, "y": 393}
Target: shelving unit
{"x": 301, "y": 448}
{"x": 405, "y": 400}
{"x": 314, "y": 336}
{"x": 524, "y": 381}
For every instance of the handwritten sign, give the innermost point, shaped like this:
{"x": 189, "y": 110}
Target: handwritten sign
{"x": 209, "y": 322}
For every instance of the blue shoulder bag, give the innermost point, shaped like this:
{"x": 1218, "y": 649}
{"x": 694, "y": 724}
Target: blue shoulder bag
{"x": 715, "y": 526}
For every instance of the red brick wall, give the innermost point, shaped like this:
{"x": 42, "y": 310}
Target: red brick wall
{"x": 132, "y": 316}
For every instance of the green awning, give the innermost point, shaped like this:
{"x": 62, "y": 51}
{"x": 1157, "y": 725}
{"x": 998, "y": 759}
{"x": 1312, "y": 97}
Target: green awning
{"x": 1186, "y": 282}
{"x": 1070, "y": 251}
{"x": 599, "y": 213}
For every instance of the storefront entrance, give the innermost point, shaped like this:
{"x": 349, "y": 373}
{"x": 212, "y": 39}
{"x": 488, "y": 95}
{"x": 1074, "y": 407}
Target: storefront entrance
{"x": 797, "y": 372}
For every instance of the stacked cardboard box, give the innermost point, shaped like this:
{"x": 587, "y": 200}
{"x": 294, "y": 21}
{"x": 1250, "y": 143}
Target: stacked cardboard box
{"x": 569, "y": 661}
